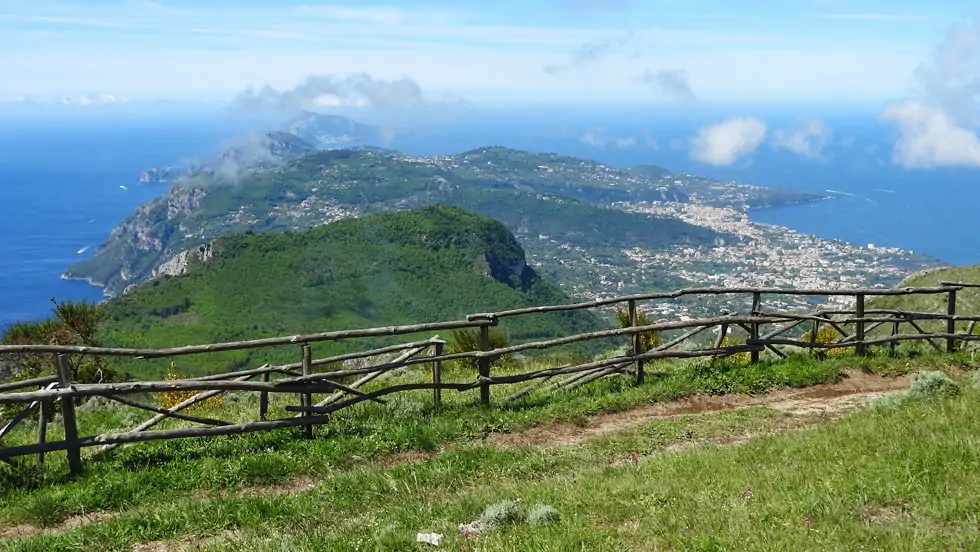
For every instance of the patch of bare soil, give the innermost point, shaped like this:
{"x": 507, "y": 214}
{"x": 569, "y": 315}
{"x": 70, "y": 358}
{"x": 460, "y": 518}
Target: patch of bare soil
{"x": 186, "y": 543}
{"x": 74, "y": 522}
{"x": 855, "y": 390}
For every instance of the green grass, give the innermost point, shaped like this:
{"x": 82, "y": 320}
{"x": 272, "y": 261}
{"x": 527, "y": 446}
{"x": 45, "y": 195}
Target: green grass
{"x": 169, "y": 489}
{"x": 898, "y": 479}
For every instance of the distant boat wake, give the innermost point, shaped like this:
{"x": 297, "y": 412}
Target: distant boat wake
{"x": 123, "y": 187}
{"x": 83, "y": 250}
{"x": 884, "y": 190}
{"x": 838, "y": 192}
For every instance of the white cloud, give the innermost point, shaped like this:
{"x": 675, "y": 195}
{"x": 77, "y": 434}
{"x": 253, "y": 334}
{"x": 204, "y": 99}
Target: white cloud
{"x": 92, "y": 100}
{"x": 625, "y": 142}
{"x": 807, "y": 140}
{"x": 937, "y": 128}
{"x": 725, "y": 142}
{"x": 929, "y": 138}
{"x": 592, "y": 138}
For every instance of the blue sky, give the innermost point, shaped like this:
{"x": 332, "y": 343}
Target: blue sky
{"x": 507, "y": 50}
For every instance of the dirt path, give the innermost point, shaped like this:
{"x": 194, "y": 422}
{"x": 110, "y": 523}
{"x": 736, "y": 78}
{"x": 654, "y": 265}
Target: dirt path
{"x": 855, "y": 390}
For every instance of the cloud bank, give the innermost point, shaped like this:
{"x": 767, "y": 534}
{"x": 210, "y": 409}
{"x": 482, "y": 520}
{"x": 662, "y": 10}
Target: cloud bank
{"x": 355, "y": 90}
{"x": 929, "y": 137}
{"x": 807, "y": 140}
{"x": 938, "y": 129}
{"x": 725, "y": 142}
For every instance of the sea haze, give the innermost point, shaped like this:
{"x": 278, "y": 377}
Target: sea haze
{"x": 60, "y": 179}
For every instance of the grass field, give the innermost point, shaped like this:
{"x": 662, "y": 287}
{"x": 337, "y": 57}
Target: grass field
{"x": 899, "y": 477}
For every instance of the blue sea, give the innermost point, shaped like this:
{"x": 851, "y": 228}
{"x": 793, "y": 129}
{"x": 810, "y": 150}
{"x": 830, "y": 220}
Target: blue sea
{"x": 62, "y": 179}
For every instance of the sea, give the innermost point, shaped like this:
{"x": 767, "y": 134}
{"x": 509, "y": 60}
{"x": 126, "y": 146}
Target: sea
{"x": 68, "y": 177}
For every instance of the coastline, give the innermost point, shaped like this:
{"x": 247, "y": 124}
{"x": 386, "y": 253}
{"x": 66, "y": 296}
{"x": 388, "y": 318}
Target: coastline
{"x": 68, "y": 277}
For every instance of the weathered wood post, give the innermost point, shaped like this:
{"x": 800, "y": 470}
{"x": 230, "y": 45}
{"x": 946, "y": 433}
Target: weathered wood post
{"x": 637, "y": 340}
{"x": 756, "y": 306}
{"x": 951, "y": 322}
{"x": 969, "y": 331}
{"x": 483, "y": 364}
{"x": 42, "y": 428}
{"x": 307, "y": 398}
{"x": 438, "y": 349}
{"x": 68, "y": 415}
{"x": 861, "y": 349}
{"x": 264, "y": 399}
{"x": 722, "y": 334}
{"x": 814, "y": 330}
{"x": 891, "y": 346}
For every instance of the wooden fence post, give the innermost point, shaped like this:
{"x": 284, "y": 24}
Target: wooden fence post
{"x": 756, "y": 305}
{"x": 950, "y": 322}
{"x": 483, "y": 364}
{"x": 68, "y": 415}
{"x": 637, "y": 341}
{"x": 891, "y": 346}
{"x": 306, "y": 399}
{"x": 814, "y": 330}
{"x": 722, "y": 334}
{"x": 264, "y": 399}
{"x": 42, "y": 428}
{"x": 861, "y": 349}
{"x": 437, "y": 350}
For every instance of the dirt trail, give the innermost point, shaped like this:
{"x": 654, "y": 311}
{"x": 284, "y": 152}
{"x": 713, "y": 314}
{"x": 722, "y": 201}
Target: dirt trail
{"x": 855, "y": 390}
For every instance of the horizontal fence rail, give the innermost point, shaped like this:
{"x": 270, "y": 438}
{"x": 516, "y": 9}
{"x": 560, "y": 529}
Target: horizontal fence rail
{"x": 750, "y": 333}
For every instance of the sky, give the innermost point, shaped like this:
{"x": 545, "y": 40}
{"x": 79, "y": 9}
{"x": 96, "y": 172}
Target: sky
{"x": 915, "y": 61}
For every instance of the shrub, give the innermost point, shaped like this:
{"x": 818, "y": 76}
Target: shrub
{"x": 738, "y": 359}
{"x": 648, "y": 340}
{"x": 540, "y": 514}
{"x": 932, "y": 384}
{"x": 828, "y": 335}
{"x": 503, "y": 513}
{"x": 170, "y": 399}
{"x": 73, "y": 323}
{"x": 465, "y": 341}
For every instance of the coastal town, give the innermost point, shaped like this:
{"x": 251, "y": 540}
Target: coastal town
{"x": 760, "y": 255}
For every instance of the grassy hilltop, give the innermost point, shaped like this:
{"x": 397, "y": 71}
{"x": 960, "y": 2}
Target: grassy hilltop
{"x": 426, "y": 265}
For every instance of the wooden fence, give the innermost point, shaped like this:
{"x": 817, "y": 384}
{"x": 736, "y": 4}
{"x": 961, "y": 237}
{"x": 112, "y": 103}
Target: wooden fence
{"x": 853, "y": 327}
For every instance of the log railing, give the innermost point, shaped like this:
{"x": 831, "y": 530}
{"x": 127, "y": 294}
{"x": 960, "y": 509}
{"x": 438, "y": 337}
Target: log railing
{"x": 860, "y": 328}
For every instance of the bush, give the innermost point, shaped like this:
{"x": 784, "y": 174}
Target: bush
{"x": 73, "y": 324}
{"x": 648, "y": 340}
{"x": 932, "y": 384}
{"x": 507, "y": 512}
{"x": 170, "y": 399}
{"x": 828, "y": 335}
{"x": 541, "y": 514}
{"x": 465, "y": 341}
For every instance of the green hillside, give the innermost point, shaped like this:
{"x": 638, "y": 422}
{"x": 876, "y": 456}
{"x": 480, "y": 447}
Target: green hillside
{"x": 967, "y": 300}
{"x": 432, "y": 264}
{"x": 547, "y": 201}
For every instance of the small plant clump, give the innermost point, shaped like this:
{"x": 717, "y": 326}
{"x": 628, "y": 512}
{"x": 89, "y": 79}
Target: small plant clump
{"x": 170, "y": 399}
{"x": 507, "y": 512}
{"x": 827, "y": 335}
{"x": 541, "y": 514}
{"x": 932, "y": 384}
{"x": 648, "y": 340}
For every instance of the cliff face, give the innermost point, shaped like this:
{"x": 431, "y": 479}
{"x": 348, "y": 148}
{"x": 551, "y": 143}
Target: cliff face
{"x": 147, "y": 238}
